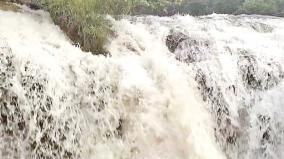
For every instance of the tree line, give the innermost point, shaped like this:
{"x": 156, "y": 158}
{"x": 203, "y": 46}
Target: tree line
{"x": 204, "y": 7}
{"x": 85, "y": 23}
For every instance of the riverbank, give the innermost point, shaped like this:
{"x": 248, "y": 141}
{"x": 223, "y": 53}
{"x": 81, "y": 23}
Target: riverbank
{"x": 6, "y": 6}
{"x": 86, "y": 25}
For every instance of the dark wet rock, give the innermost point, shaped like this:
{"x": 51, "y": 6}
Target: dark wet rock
{"x": 189, "y": 49}
{"x": 119, "y": 129}
{"x": 257, "y": 26}
{"x": 174, "y": 39}
{"x": 41, "y": 104}
{"x": 225, "y": 132}
{"x": 7, "y": 70}
{"x": 99, "y": 105}
{"x": 258, "y": 75}
{"x": 261, "y": 27}
{"x": 18, "y": 111}
{"x": 265, "y": 126}
{"x": 194, "y": 50}
{"x": 33, "y": 4}
{"x": 13, "y": 128}
{"x": 232, "y": 119}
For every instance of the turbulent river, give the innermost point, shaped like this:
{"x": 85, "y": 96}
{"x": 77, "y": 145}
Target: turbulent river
{"x": 176, "y": 87}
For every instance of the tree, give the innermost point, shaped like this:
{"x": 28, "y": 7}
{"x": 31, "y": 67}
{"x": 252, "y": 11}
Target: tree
{"x": 226, "y": 6}
{"x": 194, "y": 7}
{"x": 262, "y": 6}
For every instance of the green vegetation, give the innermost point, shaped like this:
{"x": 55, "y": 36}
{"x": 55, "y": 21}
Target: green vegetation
{"x": 153, "y": 7}
{"x": 84, "y": 20}
{"x": 270, "y": 7}
{"x": 202, "y": 7}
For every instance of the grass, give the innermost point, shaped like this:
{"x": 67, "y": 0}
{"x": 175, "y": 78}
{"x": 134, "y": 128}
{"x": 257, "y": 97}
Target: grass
{"x": 84, "y": 20}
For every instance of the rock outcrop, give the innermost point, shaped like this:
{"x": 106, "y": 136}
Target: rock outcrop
{"x": 189, "y": 49}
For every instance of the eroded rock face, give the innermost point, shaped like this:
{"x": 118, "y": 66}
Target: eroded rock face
{"x": 259, "y": 75}
{"x": 226, "y": 132}
{"x": 174, "y": 39}
{"x": 261, "y": 27}
{"x": 194, "y": 50}
{"x": 254, "y": 77}
{"x": 189, "y": 49}
{"x": 28, "y": 120}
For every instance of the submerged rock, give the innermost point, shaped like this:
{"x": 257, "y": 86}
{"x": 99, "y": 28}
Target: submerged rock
{"x": 259, "y": 75}
{"x": 226, "y": 132}
{"x": 27, "y": 119}
{"x": 261, "y": 27}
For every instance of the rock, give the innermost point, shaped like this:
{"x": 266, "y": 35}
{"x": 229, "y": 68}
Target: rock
{"x": 189, "y": 49}
{"x": 194, "y": 49}
{"x": 258, "y": 74}
{"x": 20, "y": 127}
{"x": 261, "y": 27}
{"x": 225, "y": 131}
{"x": 174, "y": 39}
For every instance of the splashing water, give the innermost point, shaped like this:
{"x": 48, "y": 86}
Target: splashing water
{"x": 178, "y": 87}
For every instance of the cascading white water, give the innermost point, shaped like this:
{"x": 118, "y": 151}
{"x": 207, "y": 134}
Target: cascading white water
{"x": 177, "y": 87}
{"x": 238, "y": 64}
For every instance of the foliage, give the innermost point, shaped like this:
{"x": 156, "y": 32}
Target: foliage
{"x": 227, "y": 6}
{"x": 156, "y": 7}
{"x": 262, "y": 6}
{"x": 193, "y": 7}
{"x": 84, "y": 20}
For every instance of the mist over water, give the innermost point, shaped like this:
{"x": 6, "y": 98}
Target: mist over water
{"x": 173, "y": 87}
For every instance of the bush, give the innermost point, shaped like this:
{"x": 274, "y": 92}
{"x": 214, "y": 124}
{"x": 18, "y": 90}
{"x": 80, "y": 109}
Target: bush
{"x": 84, "y": 20}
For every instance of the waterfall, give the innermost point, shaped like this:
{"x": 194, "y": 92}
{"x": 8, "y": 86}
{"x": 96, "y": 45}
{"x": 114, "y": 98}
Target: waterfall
{"x": 179, "y": 87}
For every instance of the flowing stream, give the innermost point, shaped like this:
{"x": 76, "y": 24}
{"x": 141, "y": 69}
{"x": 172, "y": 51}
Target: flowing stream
{"x": 178, "y": 87}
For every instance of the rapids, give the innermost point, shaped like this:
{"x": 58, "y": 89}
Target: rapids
{"x": 178, "y": 87}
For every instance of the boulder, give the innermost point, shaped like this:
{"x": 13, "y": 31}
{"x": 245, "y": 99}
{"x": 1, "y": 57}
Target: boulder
{"x": 189, "y": 49}
{"x": 174, "y": 39}
{"x": 258, "y": 74}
